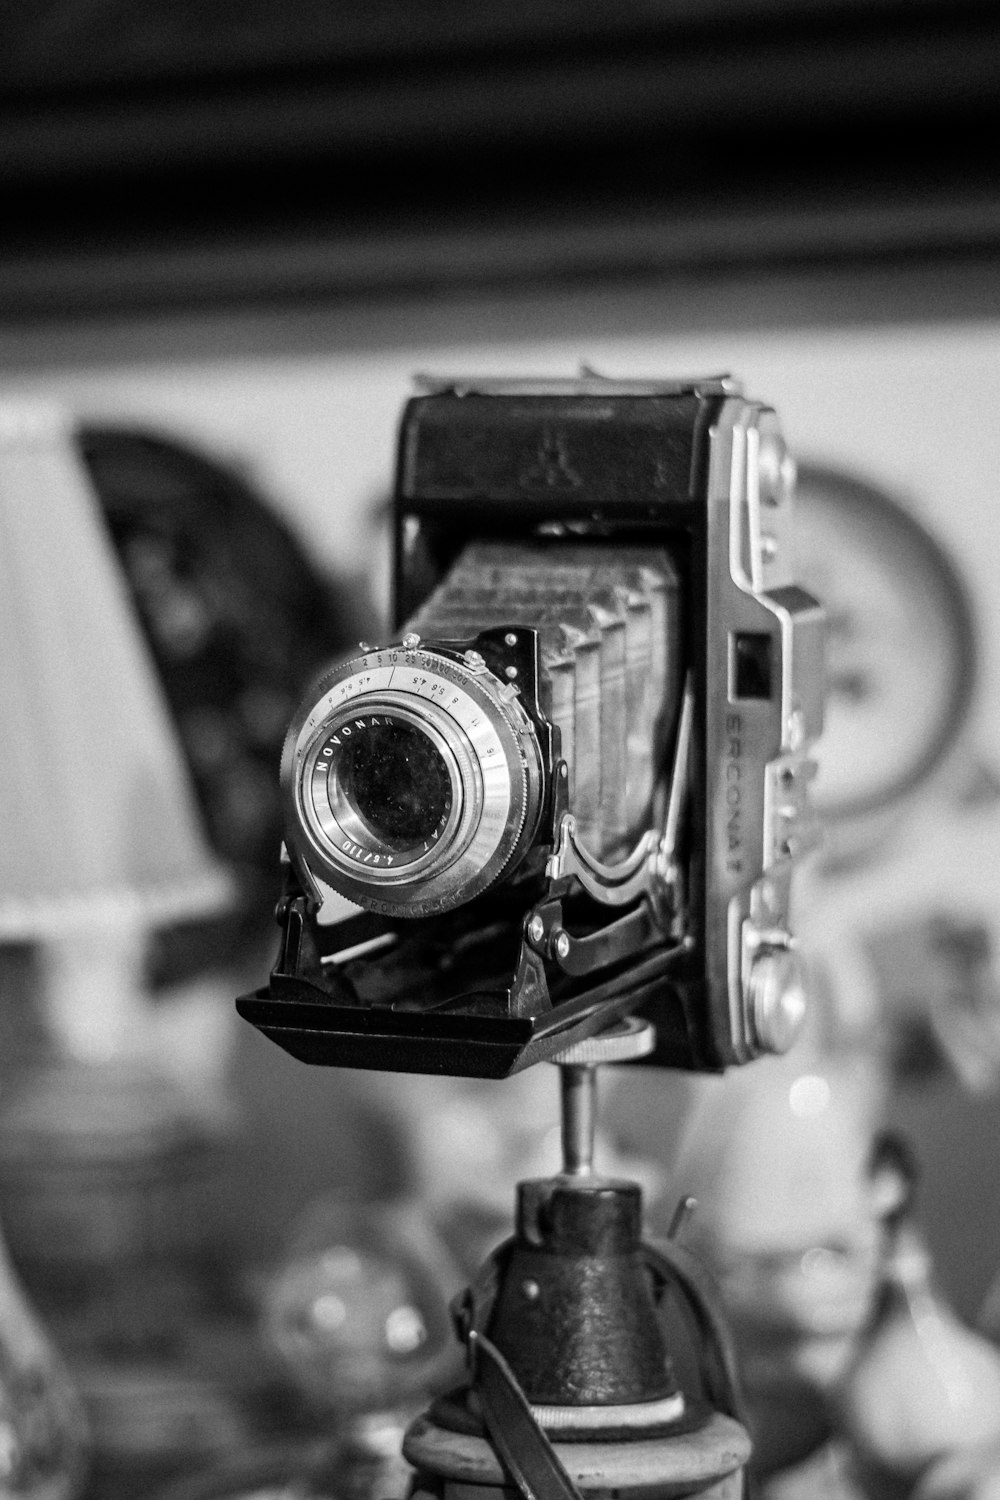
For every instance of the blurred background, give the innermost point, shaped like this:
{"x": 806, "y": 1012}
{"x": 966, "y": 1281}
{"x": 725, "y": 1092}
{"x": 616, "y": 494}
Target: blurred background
{"x": 232, "y": 234}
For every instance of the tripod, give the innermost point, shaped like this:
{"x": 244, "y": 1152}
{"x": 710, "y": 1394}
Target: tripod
{"x": 571, "y": 1389}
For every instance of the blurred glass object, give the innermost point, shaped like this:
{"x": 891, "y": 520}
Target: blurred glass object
{"x": 358, "y": 1312}
{"x": 921, "y": 1387}
{"x": 358, "y": 1308}
{"x": 43, "y": 1435}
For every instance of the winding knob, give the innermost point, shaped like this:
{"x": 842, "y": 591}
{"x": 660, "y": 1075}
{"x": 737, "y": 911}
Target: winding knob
{"x": 776, "y": 996}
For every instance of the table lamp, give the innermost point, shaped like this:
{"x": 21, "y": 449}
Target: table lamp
{"x": 102, "y": 846}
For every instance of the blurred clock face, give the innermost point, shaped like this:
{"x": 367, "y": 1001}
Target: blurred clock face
{"x": 900, "y": 645}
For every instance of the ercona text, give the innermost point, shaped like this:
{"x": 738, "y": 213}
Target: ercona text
{"x": 734, "y": 793}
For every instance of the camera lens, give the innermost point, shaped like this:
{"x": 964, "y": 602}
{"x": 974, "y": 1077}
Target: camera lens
{"x": 411, "y": 780}
{"x": 394, "y": 781}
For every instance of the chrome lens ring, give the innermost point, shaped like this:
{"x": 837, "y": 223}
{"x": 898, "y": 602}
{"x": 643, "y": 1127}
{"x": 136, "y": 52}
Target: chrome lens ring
{"x": 481, "y": 741}
{"x": 335, "y": 818}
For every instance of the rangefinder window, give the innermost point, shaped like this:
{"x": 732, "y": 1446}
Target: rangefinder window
{"x": 750, "y": 665}
{"x": 528, "y": 795}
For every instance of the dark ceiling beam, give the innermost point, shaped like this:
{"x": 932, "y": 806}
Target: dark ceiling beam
{"x": 557, "y": 142}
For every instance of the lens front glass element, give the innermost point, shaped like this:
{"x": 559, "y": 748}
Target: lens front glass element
{"x": 407, "y": 785}
{"x": 389, "y": 784}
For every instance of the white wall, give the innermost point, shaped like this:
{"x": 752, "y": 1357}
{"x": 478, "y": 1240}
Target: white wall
{"x": 309, "y": 400}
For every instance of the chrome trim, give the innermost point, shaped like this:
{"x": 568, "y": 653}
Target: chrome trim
{"x": 588, "y": 383}
{"x": 680, "y": 777}
{"x": 612, "y": 885}
{"x": 649, "y": 869}
{"x": 757, "y": 766}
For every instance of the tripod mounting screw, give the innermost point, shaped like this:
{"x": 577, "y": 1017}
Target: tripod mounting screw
{"x": 626, "y": 1041}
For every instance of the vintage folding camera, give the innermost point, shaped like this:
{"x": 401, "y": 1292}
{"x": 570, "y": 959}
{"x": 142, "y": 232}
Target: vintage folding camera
{"x": 576, "y": 784}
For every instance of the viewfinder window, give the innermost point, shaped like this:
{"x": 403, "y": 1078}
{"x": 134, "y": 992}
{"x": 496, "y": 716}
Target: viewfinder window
{"x": 749, "y": 665}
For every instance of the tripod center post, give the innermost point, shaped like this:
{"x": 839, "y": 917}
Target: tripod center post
{"x": 627, "y": 1040}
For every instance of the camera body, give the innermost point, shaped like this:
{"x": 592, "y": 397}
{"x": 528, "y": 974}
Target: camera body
{"x": 577, "y": 785}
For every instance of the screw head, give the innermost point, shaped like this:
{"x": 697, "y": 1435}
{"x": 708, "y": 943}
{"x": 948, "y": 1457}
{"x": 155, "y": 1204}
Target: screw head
{"x": 561, "y": 944}
{"x": 510, "y": 639}
{"x": 411, "y": 640}
{"x": 510, "y": 672}
{"x": 536, "y": 929}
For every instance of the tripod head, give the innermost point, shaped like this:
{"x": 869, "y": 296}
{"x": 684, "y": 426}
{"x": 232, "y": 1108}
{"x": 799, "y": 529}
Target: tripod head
{"x": 571, "y": 1386}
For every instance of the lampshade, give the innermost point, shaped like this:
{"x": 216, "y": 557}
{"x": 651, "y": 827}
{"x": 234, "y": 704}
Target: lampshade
{"x": 98, "y": 814}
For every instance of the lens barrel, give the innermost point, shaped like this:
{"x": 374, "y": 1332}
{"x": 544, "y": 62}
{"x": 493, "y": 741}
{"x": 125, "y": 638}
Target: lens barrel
{"x": 411, "y": 777}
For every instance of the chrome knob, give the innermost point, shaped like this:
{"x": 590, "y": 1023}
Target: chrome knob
{"x": 776, "y": 996}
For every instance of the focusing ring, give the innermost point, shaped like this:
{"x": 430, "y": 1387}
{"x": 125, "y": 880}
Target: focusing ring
{"x": 456, "y": 724}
